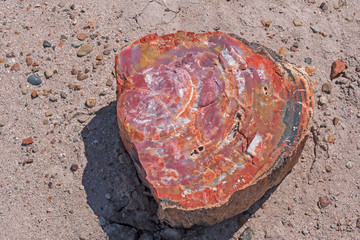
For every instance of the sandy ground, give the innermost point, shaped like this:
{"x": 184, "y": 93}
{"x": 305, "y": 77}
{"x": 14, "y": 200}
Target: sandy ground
{"x": 44, "y": 196}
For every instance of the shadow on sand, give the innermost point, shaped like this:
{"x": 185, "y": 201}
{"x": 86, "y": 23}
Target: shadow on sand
{"x": 125, "y": 207}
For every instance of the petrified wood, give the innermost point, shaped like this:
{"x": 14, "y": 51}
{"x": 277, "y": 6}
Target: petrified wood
{"x": 210, "y": 121}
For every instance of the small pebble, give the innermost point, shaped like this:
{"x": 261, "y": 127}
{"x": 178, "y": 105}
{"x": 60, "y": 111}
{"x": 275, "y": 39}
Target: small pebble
{"x": 109, "y": 83}
{"x": 107, "y": 196}
{"x": 335, "y": 121}
{"x": 358, "y": 223}
{"x": 77, "y": 129}
{"x": 349, "y": 165}
{"x": 53, "y": 99}
{"x": 46, "y": 44}
{"x": 246, "y": 234}
{"x": 326, "y": 88}
{"x": 315, "y": 29}
{"x": 297, "y": 23}
{"x": 337, "y": 67}
{"x": 2, "y": 123}
{"x": 63, "y": 95}
{"x": 322, "y": 100}
{"x": 106, "y": 52}
{"x": 74, "y": 71}
{"x": 34, "y": 80}
{"x": 323, "y": 202}
{"x": 308, "y": 60}
{"x": 28, "y": 61}
{"x": 74, "y": 167}
{"x": 27, "y": 141}
{"x": 328, "y": 168}
{"x": 331, "y": 139}
{"x": 81, "y": 187}
{"x": 81, "y": 76}
{"x": 310, "y": 71}
{"x": 63, "y": 38}
{"x": 82, "y": 36}
{"x": 76, "y": 44}
{"x": 84, "y": 50}
{"x": 34, "y": 94}
{"x": 15, "y": 67}
{"x": 91, "y": 102}
{"x": 100, "y": 57}
{"x": 323, "y": 6}
{"x": 48, "y": 73}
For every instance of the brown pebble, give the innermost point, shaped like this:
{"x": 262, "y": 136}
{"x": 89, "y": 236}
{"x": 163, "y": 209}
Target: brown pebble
{"x": 100, "y": 57}
{"x": 27, "y": 141}
{"x": 328, "y": 168}
{"x": 2, "y": 60}
{"x": 74, "y": 87}
{"x": 331, "y": 139}
{"x": 266, "y": 23}
{"x": 326, "y": 88}
{"x": 297, "y": 185}
{"x": 323, "y": 202}
{"x": 15, "y": 67}
{"x": 81, "y": 76}
{"x": 282, "y": 51}
{"x": 109, "y": 83}
{"x": 358, "y": 223}
{"x": 74, "y": 71}
{"x": 293, "y": 49}
{"x": 35, "y": 64}
{"x": 335, "y": 121}
{"x": 297, "y": 23}
{"x": 28, "y": 161}
{"x": 48, "y": 114}
{"x": 45, "y": 122}
{"x": 336, "y": 68}
{"x": 82, "y": 36}
{"x": 91, "y": 102}
{"x": 28, "y": 61}
{"x": 34, "y": 94}
{"x": 74, "y": 167}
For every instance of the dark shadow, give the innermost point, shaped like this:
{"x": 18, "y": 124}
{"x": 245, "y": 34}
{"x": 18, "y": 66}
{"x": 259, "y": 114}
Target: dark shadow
{"x": 125, "y": 207}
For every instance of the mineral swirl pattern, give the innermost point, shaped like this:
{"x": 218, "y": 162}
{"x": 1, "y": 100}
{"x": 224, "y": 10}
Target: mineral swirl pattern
{"x": 210, "y": 121}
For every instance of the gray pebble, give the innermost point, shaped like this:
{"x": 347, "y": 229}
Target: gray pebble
{"x": 53, "y": 99}
{"x": 63, "y": 38}
{"x": 2, "y": 123}
{"x": 106, "y": 52}
{"x": 315, "y": 29}
{"x": 349, "y": 165}
{"x": 46, "y": 44}
{"x": 308, "y": 60}
{"x": 34, "y": 80}
{"x": 63, "y": 95}
{"x": 247, "y": 234}
{"x": 76, "y": 44}
{"x": 102, "y": 221}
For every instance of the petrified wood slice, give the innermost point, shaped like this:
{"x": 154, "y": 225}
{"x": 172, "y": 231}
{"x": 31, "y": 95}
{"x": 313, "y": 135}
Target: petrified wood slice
{"x": 210, "y": 121}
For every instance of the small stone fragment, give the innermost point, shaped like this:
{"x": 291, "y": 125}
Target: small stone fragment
{"x": 335, "y": 121}
{"x": 322, "y": 100}
{"x": 328, "y": 168}
{"x": 76, "y": 44}
{"x": 34, "y": 94}
{"x": 74, "y": 167}
{"x": 310, "y": 71}
{"x": 308, "y": 60}
{"x": 315, "y": 29}
{"x": 100, "y": 57}
{"x": 74, "y": 71}
{"x": 81, "y": 76}
{"x": 336, "y": 68}
{"x": 48, "y": 73}
{"x": 297, "y": 23}
{"x": 323, "y": 202}
{"x": 28, "y": 161}
{"x": 358, "y": 223}
{"x": 53, "y": 99}
{"x": 91, "y": 102}
{"x": 109, "y": 83}
{"x": 246, "y": 234}
{"x": 82, "y": 36}
{"x": 282, "y": 51}
{"x": 323, "y": 6}
{"x": 326, "y": 88}
{"x": 63, "y": 95}
{"x": 15, "y": 67}
{"x": 265, "y": 23}
{"x": 106, "y": 52}
{"x": 27, "y": 141}
{"x": 349, "y": 165}
{"x": 84, "y": 50}
{"x": 331, "y": 139}
{"x": 34, "y": 80}
{"x": 46, "y": 44}
{"x": 2, "y": 123}
{"x": 28, "y": 61}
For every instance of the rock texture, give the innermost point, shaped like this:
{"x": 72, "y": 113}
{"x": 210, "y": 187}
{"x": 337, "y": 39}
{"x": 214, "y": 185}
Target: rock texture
{"x": 210, "y": 121}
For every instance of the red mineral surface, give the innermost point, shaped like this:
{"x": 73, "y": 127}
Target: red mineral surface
{"x": 210, "y": 121}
